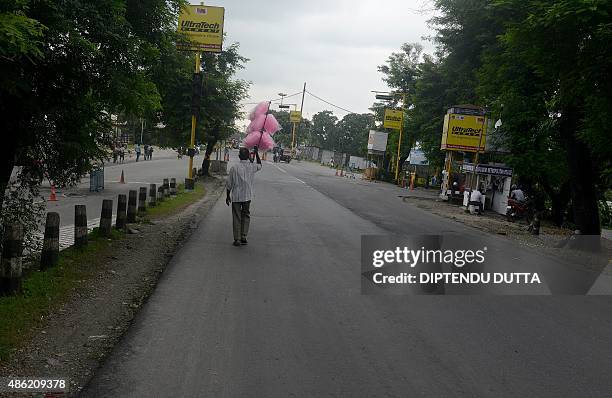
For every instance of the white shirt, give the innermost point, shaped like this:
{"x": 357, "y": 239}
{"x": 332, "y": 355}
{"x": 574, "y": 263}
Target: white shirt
{"x": 240, "y": 180}
{"x": 476, "y": 196}
{"x": 517, "y": 194}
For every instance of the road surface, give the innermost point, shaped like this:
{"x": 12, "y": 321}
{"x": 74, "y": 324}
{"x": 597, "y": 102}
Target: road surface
{"x": 164, "y": 164}
{"x": 284, "y": 316}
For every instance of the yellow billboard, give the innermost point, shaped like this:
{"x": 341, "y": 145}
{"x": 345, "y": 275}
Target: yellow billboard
{"x": 463, "y": 133}
{"x": 203, "y": 27}
{"x": 295, "y": 116}
{"x": 393, "y": 119}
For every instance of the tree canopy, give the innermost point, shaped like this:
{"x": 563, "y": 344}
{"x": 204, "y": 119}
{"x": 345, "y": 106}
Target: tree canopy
{"x": 543, "y": 67}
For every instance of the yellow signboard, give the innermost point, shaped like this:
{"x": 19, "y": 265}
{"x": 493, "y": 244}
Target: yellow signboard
{"x": 203, "y": 27}
{"x": 295, "y": 116}
{"x": 393, "y": 119}
{"x": 463, "y": 133}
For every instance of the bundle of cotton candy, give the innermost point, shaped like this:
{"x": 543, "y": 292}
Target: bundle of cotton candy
{"x": 267, "y": 123}
{"x": 260, "y": 109}
{"x": 262, "y": 128}
{"x": 262, "y": 140}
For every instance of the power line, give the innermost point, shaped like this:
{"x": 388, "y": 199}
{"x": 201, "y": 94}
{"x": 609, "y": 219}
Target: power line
{"x": 329, "y": 103}
{"x": 272, "y": 100}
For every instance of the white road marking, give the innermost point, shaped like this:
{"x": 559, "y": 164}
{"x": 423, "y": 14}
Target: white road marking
{"x": 284, "y": 171}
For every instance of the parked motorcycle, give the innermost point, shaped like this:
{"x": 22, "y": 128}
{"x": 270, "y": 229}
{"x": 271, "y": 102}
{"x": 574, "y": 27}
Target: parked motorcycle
{"x": 517, "y": 210}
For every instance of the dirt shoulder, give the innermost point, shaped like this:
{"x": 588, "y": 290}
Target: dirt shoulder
{"x": 74, "y": 338}
{"x": 552, "y": 240}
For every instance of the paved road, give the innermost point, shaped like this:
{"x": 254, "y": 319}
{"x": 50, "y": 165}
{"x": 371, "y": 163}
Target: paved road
{"x": 284, "y": 316}
{"x": 164, "y": 165}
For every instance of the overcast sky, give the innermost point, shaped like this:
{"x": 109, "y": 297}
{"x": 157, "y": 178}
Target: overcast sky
{"x": 334, "y": 46}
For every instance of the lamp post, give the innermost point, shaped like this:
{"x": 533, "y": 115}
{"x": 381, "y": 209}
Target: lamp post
{"x": 282, "y": 95}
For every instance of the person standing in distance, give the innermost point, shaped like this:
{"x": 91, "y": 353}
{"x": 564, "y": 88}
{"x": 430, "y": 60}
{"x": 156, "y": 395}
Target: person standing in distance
{"x": 240, "y": 192}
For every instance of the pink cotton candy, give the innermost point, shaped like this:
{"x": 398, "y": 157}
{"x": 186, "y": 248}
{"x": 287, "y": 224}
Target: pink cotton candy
{"x": 267, "y": 122}
{"x": 262, "y": 140}
{"x": 267, "y": 142}
{"x": 260, "y": 109}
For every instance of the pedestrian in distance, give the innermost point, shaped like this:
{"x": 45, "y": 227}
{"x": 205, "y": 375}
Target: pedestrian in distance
{"x": 240, "y": 192}
{"x": 137, "y": 150}
{"x": 150, "y": 152}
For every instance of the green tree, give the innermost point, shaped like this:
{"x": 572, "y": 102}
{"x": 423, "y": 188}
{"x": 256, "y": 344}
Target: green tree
{"x": 564, "y": 47}
{"x": 352, "y": 133}
{"x": 323, "y": 130}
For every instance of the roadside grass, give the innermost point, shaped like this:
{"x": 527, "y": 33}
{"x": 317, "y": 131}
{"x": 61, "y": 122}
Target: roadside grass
{"x": 45, "y": 291}
{"x": 174, "y": 205}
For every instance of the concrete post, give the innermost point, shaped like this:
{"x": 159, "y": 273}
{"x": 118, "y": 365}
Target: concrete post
{"x": 50, "y": 250}
{"x": 173, "y": 190}
{"x": 189, "y": 184}
{"x": 142, "y": 200}
{"x": 80, "y": 225}
{"x": 10, "y": 268}
{"x": 166, "y": 186}
{"x": 131, "y": 210}
{"x": 121, "y": 216}
{"x": 106, "y": 218}
{"x": 152, "y": 195}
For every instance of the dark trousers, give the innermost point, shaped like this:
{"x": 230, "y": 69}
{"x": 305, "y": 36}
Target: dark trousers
{"x": 241, "y": 217}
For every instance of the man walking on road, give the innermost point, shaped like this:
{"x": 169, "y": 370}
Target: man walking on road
{"x": 239, "y": 193}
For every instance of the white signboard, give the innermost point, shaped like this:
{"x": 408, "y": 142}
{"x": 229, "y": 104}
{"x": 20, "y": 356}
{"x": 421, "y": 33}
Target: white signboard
{"x": 377, "y": 142}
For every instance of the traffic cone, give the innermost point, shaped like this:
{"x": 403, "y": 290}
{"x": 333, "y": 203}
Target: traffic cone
{"x": 122, "y": 180}
{"x": 53, "y": 197}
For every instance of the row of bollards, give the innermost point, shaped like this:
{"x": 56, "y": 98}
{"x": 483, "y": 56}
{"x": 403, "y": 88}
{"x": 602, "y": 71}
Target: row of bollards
{"x": 128, "y": 207}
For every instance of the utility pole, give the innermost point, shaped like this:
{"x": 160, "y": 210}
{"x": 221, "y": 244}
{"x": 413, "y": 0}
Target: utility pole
{"x": 301, "y": 113}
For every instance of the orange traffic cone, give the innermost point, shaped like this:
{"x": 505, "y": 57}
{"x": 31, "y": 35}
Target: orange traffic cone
{"x": 122, "y": 180}
{"x": 53, "y": 197}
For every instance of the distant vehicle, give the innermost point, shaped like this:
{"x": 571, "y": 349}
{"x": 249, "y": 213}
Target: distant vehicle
{"x": 286, "y": 156}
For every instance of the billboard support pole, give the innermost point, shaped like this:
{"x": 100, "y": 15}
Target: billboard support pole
{"x": 193, "y": 123}
{"x": 399, "y": 141}
{"x": 473, "y": 182}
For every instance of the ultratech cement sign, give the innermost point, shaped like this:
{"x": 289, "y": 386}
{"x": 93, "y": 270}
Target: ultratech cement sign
{"x": 203, "y": 27}
{"x": 463, "y": 132}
